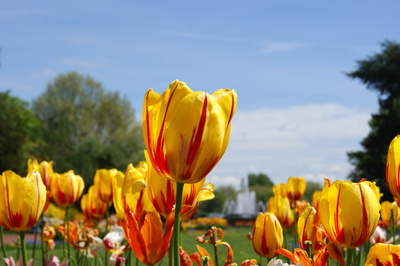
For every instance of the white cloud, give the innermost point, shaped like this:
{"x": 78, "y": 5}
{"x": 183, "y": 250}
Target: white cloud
{"x": 303, "y": 140}
{"x": 281, "y": 46}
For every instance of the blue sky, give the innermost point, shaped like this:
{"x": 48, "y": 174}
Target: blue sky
{"x": 298, "y": 113}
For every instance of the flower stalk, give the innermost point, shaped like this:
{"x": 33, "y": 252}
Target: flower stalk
{"x": 177, "y": 223}
{"x": 3, "y": 248}
{"x": 23, "y": 248}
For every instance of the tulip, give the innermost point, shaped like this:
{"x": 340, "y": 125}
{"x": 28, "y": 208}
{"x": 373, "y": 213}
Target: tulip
{"x": 92, "y": 207}
{"x": 308, "y": 230}
{"x": 162, "y": 194}
{"x": 267, "y": 235}
{"x": 280, "y": 190}
{"x": 145, "y": 235}
{"x": 349, "y": 212}
{"x": 104, "y": 182}
{"x": 300, "y": 257}
{"x": 379, "y": 236}
{"x": 185, "y": 132}
{"x": 45, "y": 169}
{"x": 388, "y": 210}
{"x": 295, "y": 188}
{"x": 22, "y": 200}
{"x": 129, "y": 191}
{"x": 392, "y": 167}
{"x": 315, "y": 199}
{"x": 113, "y": 240}
{"x": 66, "y": 188}
{"x": 21, "y": 203}
{"x": 280, "y": 206}
{"x": 383, "y": 254}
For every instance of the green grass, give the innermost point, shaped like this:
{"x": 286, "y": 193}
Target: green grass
{"x": 236, "y": 237}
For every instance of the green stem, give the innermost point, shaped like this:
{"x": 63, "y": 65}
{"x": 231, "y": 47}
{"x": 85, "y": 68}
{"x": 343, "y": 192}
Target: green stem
{"x": 44, "y": 255}
{"x": 285, "y": 238}
{"x": 105, "y": 232}
{"x": 215, "y": 246}
{"x": 349, "y": 259}
{"x": 65, "y": 237}
{"x": 68, "y": 236}
{"x": 177, "y": 230}
{"x": 3, "y": 248}
{"x": 34, "y": 244}
{"x": 23, "y": 248}
{"x": 392, "y": 226}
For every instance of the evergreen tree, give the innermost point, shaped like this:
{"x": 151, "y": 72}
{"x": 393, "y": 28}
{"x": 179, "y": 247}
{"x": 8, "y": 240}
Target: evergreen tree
{"x": 381, "y": 73}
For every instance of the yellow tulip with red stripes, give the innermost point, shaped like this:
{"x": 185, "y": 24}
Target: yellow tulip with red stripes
{"x": 349, "y": 211}
{"x": 267, "y": 235}
{"x": 393, "y": 167}
{"x": 21, "y": 201}
{"x": 185, "y": 132}
{"x": 66, "y": 188}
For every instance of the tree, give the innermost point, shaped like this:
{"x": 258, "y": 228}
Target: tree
{"x": 87, "y": 128}
{"x": 222, "y": 194}
{"x": 259, "y": 180}
{"x": 18, "y": 134}
{"x": 380, "y": 72}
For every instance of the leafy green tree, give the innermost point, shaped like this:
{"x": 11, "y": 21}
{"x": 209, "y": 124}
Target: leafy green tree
{"x": 263, "y": 193}
{"x": 259, "y": 179}
{"x": 87, "y": 128}
{"x": 222, "y": 194}
{"x": 18, "y": 134}
{"x": 380, "y": 73}
{"x": 310, "y": 189}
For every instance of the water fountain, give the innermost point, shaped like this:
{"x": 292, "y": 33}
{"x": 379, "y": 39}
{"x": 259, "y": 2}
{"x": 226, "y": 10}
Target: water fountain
{"x": 245, "y": 208}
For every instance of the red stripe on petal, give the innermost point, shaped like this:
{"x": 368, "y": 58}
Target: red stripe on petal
{"x": 195, "y": 142}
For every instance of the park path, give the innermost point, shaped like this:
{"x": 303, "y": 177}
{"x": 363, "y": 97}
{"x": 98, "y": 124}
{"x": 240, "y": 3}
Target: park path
{"x": 8, "y": 239}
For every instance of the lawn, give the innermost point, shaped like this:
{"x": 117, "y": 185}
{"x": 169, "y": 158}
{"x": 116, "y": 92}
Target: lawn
{"x": 235, "y": 236}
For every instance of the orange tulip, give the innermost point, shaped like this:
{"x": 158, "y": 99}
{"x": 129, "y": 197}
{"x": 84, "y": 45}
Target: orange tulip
{"x": 66, "y": 188}
{"x": 22, "y": 200}
{"x": 103, "y": 180}
{"x": 145, "y": 235}
{"x": 162, "y": 193}
{"x": 130, "y": 192}
{"x": 392, "y": 167}
{"x": 383, "y": 254}
{"x": 185, "y": 132}
{"x": 267, "y": 235}
{"x": 349, "y": 212}
{"x": 300, "y": 256}
{"x": 295, "y": 188}
{"x": 92, "y": 207}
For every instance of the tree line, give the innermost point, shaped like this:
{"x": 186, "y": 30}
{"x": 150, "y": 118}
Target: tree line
{"x": 75, "y": 123}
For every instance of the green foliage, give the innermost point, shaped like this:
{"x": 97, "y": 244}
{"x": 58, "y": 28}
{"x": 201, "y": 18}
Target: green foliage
{"x": 214, "y": 205}
{"x": 87, "y": 128}
{"x": 263, "y": 193}
{"x": 259, "y": 180}
{"x": 18, "y": 134}
{"x": 310, "y": 189}
{"x": 228, "y": 192}
{"x": 380, "y": 72}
